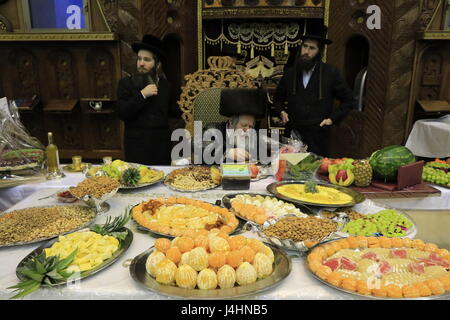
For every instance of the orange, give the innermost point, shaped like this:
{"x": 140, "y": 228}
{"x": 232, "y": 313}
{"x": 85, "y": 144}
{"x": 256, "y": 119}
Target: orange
{"x": 237, "y": 242}
{"x": 162, "y": 244}
{"x": 248, "y": 254}
{"x": 201, "y": 241}
{"x": 217, "y": 260}
{"x": 174, "y": 254}
{"x": 235, "y": 258}
{"x": 185, "y": 244}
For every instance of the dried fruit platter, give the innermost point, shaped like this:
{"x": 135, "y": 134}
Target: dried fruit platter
{"x": 382, "y": 268}
{"x": 210, "y": 267}
{"x": 181, "y": 216}
{"x": 31, "y": 225}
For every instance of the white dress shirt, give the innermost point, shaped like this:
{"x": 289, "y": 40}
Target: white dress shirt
{"x": 307, "y": 76}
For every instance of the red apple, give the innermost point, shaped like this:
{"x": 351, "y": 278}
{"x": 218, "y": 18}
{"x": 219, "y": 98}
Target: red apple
{"x": 324, "y": 166}
{"x": 254, "y": 170}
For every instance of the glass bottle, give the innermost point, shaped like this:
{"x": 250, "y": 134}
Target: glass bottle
{"x": 52, "y": 155}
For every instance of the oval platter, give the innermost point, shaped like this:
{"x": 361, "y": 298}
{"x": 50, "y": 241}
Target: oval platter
{"x": 445, "y": 295}
{"x": 124, "y": 245}
{"x": 143, "y": 185}
{"x": 226, "y": 201}
{"x": 85, "y": 225}
{"x": 356, "y": 196}
{"x": 282, "y": 269}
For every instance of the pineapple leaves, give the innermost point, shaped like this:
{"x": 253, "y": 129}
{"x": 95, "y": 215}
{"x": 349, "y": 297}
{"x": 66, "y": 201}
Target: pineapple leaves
{"x": 115, "y": 228}
{"x": 42, "y": 270}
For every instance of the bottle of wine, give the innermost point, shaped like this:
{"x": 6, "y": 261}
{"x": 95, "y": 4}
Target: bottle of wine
{"x": 52, "y": 155}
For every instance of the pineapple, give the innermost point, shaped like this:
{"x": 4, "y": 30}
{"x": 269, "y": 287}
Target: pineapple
{"x": 363, "y": 173}
{"x": 131, "y": 177}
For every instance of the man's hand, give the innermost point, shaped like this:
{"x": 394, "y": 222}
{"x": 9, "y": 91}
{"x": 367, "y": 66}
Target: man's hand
{"x": 150, "y": 90}
{"x": 284, "y": 117}
{"x": 326, "y": 122}
{"x": 238, "y": 154}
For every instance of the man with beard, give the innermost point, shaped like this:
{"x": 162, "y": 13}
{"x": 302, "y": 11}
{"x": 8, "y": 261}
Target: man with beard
{"x": 144, "y": 100}
{"x": 304, "y": 96}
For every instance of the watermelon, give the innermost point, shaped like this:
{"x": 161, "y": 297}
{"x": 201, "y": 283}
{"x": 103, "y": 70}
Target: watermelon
{"x": 385, "y": 162}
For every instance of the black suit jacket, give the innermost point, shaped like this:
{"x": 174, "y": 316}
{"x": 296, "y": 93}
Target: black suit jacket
{"x": 147, "y": 136}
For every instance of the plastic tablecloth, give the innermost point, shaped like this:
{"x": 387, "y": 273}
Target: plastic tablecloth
{"x": 115, "y": 282}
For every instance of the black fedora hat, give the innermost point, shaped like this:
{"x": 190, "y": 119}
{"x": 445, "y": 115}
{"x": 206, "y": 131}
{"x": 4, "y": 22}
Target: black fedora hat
{"x": 236, "y": 101}
{"x": 316, "y": 32}
{"x": 150, "y": 43}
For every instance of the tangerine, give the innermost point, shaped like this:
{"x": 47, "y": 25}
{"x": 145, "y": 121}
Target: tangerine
{"x": 174, "y": 255}
{"x": 237, "y": 242}
{"x": 217, "y": 260}
{"x": 234, "y": 258}
{"x": 248, "y": 254}
{"x": 185, "y": 244}
{"x": 162, "y": 245}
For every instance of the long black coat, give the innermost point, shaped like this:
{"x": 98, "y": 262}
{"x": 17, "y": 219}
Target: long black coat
{"x": 305, "y": 110}
{"x": 147, "y": 134}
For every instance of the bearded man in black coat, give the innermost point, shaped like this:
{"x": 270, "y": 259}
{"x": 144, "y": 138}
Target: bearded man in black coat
{"x": 305, "y": 94}
{"x": 144, "y": 102}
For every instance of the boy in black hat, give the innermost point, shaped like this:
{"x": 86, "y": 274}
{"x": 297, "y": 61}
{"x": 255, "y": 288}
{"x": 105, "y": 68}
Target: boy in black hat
{"x": 304, "y": 96}
{"x": 144, "y": 99}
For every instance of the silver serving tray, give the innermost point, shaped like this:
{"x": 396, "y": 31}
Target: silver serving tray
{"x": 168, "y": 185}
{"x": 239, "y": 229}
{"x": 282, "y": 269}
{"x": 357, "y": 197}
{"x": 287, "y": 244}
{"x": 368, "y": 296}
{"x": 87, "y": 224}
{"x": 226, "y": 201}
{"x": 143, "y": 185}
{"x": 171, "y": 187}
{"x": 123, "y": 247}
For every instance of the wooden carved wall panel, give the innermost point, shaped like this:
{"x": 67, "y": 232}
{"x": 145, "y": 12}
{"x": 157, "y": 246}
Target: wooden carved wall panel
{"x": 63, "y": 65}
{"x": 26, "y": 68}
{"x": 71, "y": 128}
{"x": 401, "y": 68}
{"x": 102, "y": 76}
{"x": 110, "y": 10}
{"x": 106, "y": 133}
{"x": 428, "y": 9}
{"x": 432, "y": 68}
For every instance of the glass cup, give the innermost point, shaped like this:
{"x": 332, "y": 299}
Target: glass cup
{"x": 76, "y": 163}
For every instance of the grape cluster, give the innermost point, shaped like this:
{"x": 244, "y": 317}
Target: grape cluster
{"x": 436, "y": 176}
{"x": 388, "y": 223}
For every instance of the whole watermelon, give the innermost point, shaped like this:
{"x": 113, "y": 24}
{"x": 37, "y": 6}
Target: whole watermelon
{"x": 385, "y": 162}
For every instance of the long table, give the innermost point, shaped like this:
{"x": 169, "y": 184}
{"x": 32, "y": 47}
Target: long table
{"x": 115, "y": 282}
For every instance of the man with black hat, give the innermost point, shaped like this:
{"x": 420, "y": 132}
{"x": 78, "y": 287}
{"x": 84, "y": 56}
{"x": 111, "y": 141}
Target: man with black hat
{"x": 144, "y": 100}
{"x": 244, "y": 107}
{"x": 304, "y": 96}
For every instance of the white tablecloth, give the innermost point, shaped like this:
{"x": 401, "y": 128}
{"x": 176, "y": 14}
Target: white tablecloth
{"x": 430, "y": 138}
{"x": 116, "y": 283}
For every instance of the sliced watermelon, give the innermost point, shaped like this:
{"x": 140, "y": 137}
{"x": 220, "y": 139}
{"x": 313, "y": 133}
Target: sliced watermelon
{"x": 348, "y": 264}
{"x": 399, "y": 253}
{"x": 384, "y": 267}
{"x": 371, "y": 256}
{"x": 333, "y": 264}
{"x": 417, "y": 268}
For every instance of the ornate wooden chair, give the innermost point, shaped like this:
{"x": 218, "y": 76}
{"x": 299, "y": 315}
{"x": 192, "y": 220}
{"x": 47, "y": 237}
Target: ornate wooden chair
{"x": 200, "y": 97}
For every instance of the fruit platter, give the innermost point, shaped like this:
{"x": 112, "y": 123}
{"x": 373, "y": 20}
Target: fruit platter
{"x": 193, "y": 179}
{"x": 259, "y": 208}
{"x": 437, "y": 172}
{"x": 73, "y": 257}
{"x": 211, "y": 266}
{"x": 372, "y": 219}
{"x": 382, "y": 267}
{"x": 174, "y": 217}
{"x": 129, "y": 175}
{"x": 315, "y": 193}
{"x": 36, "y": 224}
